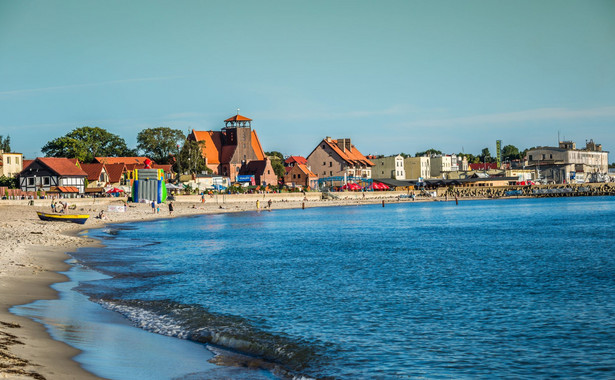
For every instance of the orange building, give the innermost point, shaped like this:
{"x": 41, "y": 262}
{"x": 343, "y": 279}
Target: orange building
{"x": 226, "y": 151}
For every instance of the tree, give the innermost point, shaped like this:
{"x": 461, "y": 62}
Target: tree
{"x": 510, "y": 152}
{"x": 472, "y": 159}
{"x": 428, "y": 152}
{"x": 160, "y": 143}
{"x": 191, "y": 158}
{"x": 485, "y": 156}
{"x": 86, "y": 143}
{"x": 277, "y": 163}
{"x": 5, "y": 144}
{"x": 10, "y": 182}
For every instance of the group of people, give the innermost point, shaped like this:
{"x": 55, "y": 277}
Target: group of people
{"x": 156, "y": 207}
{"x": 59, "y": 206}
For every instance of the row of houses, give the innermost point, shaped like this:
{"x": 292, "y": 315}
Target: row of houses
{"x": 235, "y": 154}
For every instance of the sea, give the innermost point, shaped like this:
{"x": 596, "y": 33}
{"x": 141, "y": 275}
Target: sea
{"x": 513, "y": 288}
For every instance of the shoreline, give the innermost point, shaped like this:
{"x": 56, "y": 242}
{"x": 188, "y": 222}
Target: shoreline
{"x": 36, "y": 252}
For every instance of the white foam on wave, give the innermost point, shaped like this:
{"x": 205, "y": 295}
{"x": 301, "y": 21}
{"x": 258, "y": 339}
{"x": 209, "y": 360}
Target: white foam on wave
{"x": 148, "y": 320}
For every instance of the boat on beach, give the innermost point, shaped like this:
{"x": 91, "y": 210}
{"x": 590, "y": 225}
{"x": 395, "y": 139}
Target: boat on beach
{"x": 80, "y": 219}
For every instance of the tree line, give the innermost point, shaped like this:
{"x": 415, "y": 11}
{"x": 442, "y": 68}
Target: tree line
{"x": 162, "y": 144}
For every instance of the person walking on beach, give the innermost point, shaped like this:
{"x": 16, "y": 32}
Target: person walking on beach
{"x": 269, "y": 203}
{"x": 170, "y": 208}
{"x": 153, "y": 207}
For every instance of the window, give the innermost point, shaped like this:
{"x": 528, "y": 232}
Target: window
{"x": 17, "y": 160}
{"x": 294, "y": 176}
{"x": 531, "y": 157}
{"x": 46, "y": 181}
{"x": 31, "y": 181}
{"x": 8, "y": 159}
{"x": 102, "y": 177}
{"x": 268, "y": 171}
{"x": 550, "y": 156}
{"x": 330, "y": 173}
{"x": 324, "y": 164}
{"x": 299, "y": 175}
{"x": 323, "y": 146}
{"x": 330, "y": 164}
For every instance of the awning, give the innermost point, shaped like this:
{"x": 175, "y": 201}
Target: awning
{"x": 94, "y": 189}
{"x": 68, "y": 189}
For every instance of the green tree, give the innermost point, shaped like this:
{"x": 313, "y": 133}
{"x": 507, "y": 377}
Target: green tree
{"x": 472, "y": 159}
{"x": 277, "y": 163}
{"x": 86, "y": 143}
{"x": 160, "y": 143}
{"x": 5, "y": 144}
{"x": 428, "y": 152}
{"x": 510, "y": 152}
{"x": 485, "y": 156}
{"x": 191, "y": 158}
{"x": 10, "y": 182}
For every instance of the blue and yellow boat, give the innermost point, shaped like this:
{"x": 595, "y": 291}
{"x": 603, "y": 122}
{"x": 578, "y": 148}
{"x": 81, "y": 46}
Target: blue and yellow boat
{"x": 80, "y": 219}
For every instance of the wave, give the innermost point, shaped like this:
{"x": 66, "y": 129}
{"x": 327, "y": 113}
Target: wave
{"x": 235, "y": 341}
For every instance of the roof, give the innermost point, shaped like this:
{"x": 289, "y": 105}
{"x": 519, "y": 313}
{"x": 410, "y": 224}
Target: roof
{"x": 305, "y": 170}
{"x": 123, "y": 160}
{"x": 483, "y": 166}
{"x": 256, "y": 146}
{"x": 296, "y": 159}
{"x": 351, "y": 156}
{"x": 213, "y": 144}
{"x": 238, "y": 117}
{"x": 166, "y": 168}
{"x": 62, "y": 166}
{"x": 114, "y": 171}
{"x": 93, "y": 170}
{"x": 26, "y": 163}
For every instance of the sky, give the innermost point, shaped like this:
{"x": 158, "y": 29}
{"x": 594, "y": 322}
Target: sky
{"x": 394, "y": 76}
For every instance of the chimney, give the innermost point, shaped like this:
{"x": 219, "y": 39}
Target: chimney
{"x": 344, "y": 144}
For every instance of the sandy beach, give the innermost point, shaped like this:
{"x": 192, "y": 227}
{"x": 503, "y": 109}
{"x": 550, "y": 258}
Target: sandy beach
{"x": 33, "y": 252}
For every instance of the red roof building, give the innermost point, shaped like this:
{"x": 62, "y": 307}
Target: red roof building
{"x": 291, "y": 161}
{"x": 53, "y": 174}
{"x": 226, "y": 151}
{"x": 332, "y": 158}
{"x": 484, "y": 166}
{"x": 300, "y": 175}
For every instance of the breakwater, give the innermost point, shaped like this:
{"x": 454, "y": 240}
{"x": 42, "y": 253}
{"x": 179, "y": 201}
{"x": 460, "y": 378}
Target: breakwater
{"x": 561, "y": 190}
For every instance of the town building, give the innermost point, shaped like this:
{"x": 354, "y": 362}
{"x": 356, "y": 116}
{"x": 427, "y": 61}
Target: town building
{"x": 11, "y": 164}
{"x": 226, "y": 151}
{"x": 53, "y": 175}
{"x": 339, "y": 158}
{"x": 291, "y": 161}
{"x": 388, "y": 167}
{"x": 441, "y": 165}
{"x": 417, "y": 167}
{"x": 566, "y": 163}
{"x": 261, "y": 170}
{"x": 301, "y": 176}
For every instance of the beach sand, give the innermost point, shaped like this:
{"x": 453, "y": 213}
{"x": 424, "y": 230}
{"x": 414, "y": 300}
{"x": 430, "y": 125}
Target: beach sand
{"x": 32, "y": 252}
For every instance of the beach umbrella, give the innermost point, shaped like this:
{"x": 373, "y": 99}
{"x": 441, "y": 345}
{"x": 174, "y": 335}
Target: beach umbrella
{"x": 114, "y": 190}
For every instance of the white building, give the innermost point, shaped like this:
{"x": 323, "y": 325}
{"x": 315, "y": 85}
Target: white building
{"x": 389, "y": 167}
{"x": 417, "y": 167}
{"x": 11, "y": 164}
{"x": 566, "y": 163}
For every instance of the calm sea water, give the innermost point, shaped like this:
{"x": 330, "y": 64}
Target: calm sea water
{"x": 486, "y": 289}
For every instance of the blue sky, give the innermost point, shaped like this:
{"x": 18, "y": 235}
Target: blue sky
{"x": 395, "y": 76}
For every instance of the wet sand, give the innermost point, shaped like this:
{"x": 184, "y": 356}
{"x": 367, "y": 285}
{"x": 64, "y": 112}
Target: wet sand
{"x": 33, "y": 252}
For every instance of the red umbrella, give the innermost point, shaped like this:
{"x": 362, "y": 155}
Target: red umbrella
{"x": 114, "y": 190}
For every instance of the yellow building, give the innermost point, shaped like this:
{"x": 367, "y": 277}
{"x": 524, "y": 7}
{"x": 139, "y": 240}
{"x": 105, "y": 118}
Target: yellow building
{"x": 11, "y": 164}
